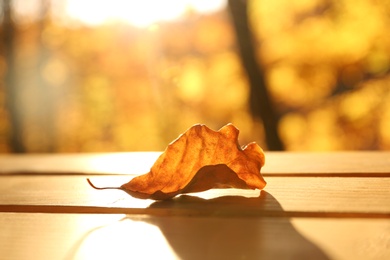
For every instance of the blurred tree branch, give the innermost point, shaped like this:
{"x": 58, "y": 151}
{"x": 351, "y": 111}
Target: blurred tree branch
{"x": 260, "y": 101}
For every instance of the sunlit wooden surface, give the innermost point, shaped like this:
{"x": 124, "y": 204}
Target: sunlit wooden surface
{"x": 315, "y": 206}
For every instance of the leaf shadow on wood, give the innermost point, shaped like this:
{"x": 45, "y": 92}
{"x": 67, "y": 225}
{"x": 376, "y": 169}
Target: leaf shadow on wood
{"x": 232, "y": 227}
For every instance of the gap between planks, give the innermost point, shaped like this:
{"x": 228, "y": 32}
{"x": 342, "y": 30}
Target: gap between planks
{"x": 266, "y": 174}
{"x": 63, "y": 209}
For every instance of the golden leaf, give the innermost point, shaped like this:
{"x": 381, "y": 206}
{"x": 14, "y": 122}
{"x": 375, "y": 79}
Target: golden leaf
{"x": 198, "y": 160}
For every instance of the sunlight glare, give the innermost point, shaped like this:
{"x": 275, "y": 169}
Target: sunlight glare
{"x": 122, "y": 163}
{"x": 138, "y": 13}
{"x": 131, "y": 237}
{"x": 25, "y": 11}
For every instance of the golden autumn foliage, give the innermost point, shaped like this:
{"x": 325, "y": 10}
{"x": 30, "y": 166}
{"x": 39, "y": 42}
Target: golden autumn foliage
{"x": 108, "y": 87}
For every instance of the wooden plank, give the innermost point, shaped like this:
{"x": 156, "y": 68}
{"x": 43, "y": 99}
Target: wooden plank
{"x": 315, "y": 206}
{"x": 277, "y": 163}
{"x": 331, "y": 194}
{"x": 315, "y": 196}
{"x": 347, "y": 238}
{"x": 119, "y": 236}
{"x": 82, "y": 163}
{"x": 327, "y": 164}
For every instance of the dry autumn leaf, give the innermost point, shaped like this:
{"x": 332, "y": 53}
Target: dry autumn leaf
{"x": 198, "y": 160}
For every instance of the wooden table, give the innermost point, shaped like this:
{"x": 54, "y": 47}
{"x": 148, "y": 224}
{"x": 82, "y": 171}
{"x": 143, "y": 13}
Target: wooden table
{"x": 315, "y": 206}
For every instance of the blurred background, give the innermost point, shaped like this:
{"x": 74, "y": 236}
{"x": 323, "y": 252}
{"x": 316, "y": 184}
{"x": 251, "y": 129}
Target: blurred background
{"x": 111, "y": 75}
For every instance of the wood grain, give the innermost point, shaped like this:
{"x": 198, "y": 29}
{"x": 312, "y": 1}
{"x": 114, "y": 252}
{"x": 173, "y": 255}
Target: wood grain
{"x": 315, "y": 206}
{"x": 101, "y": 236}
{"x": 119, "y": 236}
{"x": 277, "y": 163}
{"x": 78, "y": 164}
{"x": 320, "y": 195}
{"x": 349, "y": 164}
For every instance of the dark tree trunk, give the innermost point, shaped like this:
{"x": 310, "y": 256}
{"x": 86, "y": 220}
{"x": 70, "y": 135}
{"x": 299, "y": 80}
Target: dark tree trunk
{"x": 11, "y": 85}
{"x": 260, "y": 101}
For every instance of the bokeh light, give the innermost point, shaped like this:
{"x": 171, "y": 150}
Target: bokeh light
{"x": 101, "y": 76}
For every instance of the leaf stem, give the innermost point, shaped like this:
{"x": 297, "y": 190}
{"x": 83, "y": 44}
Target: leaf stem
{"x": 101, "y": 188}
